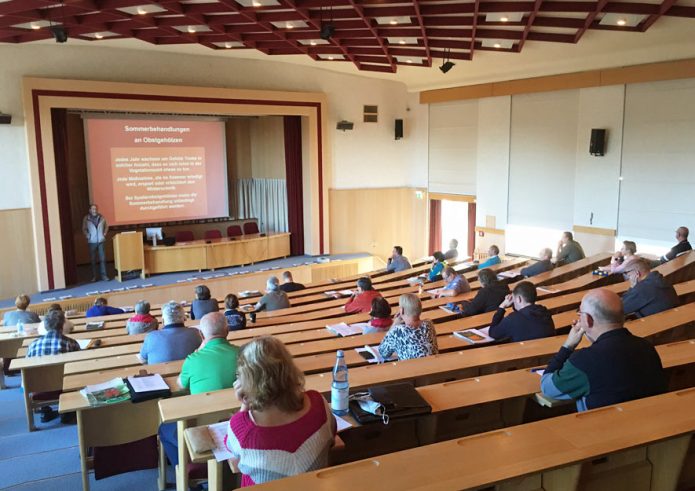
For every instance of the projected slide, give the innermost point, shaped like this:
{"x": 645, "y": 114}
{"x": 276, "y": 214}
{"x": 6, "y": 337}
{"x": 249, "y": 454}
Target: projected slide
{"x": 147, "y": 171}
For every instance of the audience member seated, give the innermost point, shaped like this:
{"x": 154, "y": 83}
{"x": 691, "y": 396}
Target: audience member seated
{"x": 617, "y": 367}
{"x": 544, "y": 264}
{"x": 410, "y": 337}
{"x": 101, "y": 307}
{"x": 288, "y": 283}
{"x": 491, "y": 294}
{"x": 203, "y": 303}
{"x": 236, "y": 320}
{"x": 527, "y": 321}
{"x": 274, "y": 298}
{"x": 397, "y": 262}
{"x": 682, "y": 246}
{"x": 68, "y": 327}
{"x": 494, "y": 253}
{"x": 54, "y": 341}
{"x": 281, "y": 430}
{"x": 212, "y": 367}
{"x": 174, "y": 341}
{"x": 456, "y": 284}
{"x": 622, "y": 260}
{"x": 453, "y": 252}
{"x": 438, "y": 264}
{"x": 568, "y": 250}
{"x": 649, "y": 292}
{"x": 11, "y": 318}
{"x": 142, "y": 321}
{"x": 361, "y": 301}
{"x": 380, "y": 316}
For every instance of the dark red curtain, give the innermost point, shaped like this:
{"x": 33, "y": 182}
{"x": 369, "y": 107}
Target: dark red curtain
{"x": 59, "y": 123}
{"x": 435, "y": 225}
{"x": 293, "y": 176}
{"x": 471, "y": 229}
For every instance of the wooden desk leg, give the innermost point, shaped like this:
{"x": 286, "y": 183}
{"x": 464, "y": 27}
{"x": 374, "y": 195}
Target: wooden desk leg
{"x": 27, "y": 406}
{"x": 667, "y": 460}
{"x": 83, "y": 453}
{"x": 182, "y": 468}
{"x": 215, "y": 475}
{"x": 162, "y": 477}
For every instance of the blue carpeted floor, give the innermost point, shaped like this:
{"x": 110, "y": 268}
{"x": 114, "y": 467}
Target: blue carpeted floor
{"x": 166, "y": 279}
{"x": 48, "y": 459}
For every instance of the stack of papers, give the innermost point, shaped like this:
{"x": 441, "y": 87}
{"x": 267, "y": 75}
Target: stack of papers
{"x": 249, "y": 293}
{"x": 474, "y": 336}
{"x": 106, "y": 393}
{"x": 371, "y": 354}
{"x": 508, "y": 274}
{"x": 343, "y": 329}
{"x": 91, "y": 326}
{"x": 149, "y": 383}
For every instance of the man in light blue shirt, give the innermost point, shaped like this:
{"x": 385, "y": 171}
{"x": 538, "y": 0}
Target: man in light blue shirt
{"x": 174, "y": 341}
{"x": 494, "y": 258}
{"x": 398, "y": 262}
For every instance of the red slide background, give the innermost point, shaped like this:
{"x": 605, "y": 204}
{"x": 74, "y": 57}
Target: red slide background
{"x": 194, "y": 170}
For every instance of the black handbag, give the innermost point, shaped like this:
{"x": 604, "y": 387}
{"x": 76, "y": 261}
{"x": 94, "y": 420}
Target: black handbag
{"x": 398, "y": 400}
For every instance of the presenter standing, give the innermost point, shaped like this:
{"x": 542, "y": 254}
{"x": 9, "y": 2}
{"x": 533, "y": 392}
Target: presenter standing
{"x": 95, "y": 228}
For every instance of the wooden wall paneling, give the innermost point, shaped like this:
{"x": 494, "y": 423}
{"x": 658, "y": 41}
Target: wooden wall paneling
{"x": 17, "y": 266}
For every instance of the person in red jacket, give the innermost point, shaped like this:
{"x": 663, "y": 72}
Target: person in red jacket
{"x": 362, "y": 300}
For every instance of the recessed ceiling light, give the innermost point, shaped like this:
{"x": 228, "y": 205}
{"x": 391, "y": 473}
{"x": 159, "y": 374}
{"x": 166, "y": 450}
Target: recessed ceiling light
{"x": 497, "y": 45}
{"x": 621, "y": 22}
{"x": 393, "y": 22}
{"x": 99, "y": 35}
{"x": 504, "y": 19}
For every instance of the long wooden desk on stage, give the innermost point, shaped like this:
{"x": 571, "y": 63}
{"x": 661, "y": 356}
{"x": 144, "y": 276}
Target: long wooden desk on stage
{"x": 215, "y": 253}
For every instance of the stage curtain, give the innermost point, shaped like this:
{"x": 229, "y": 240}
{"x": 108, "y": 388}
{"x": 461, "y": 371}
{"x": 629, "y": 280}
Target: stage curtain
{"x": 59, "y": 118}
{"x": 435, "y": 225}
{"x": 471, "y": 228}
{"x": 293, "y": 174}
{"x": 264, "y": 200}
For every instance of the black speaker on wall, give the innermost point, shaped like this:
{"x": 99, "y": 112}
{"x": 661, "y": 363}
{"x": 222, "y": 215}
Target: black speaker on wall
{"x": 398, "y": 133}
{"x": 597, "y": 144}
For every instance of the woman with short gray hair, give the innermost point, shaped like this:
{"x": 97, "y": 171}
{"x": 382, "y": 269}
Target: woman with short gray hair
{"x": 142, "y": 321}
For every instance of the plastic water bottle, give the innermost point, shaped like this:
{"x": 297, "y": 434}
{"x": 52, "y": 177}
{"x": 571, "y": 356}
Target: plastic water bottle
{"x": 340, "y": 390}
{"x": 20, "y": 328}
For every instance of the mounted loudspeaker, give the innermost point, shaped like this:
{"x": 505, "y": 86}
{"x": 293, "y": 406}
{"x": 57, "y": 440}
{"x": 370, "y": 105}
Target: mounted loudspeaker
{"x": 398, "y": 133}
{"x": 597, "y": 144}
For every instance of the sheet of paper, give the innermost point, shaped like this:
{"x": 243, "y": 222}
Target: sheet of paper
{"x": 546, "y": 290}
{"x": 343, "y": 329}
{"x": 539, "y": 371}
{"x": 347, "y": 293}
{"x": 148, "y": 384}
{"x": 84, "y": 343}
{"x": 446, "y": 309}
{"x": 342, "y": 424}
{"x": 508, "y": 274}
{"x": 218, "y": 432}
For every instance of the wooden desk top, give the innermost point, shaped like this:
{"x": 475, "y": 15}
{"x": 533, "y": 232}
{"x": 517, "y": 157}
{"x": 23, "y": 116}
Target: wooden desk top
{"x": 39, "y": 361}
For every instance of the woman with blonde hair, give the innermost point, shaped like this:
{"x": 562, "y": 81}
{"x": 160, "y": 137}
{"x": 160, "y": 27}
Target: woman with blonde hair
{"x": 281, "y": 430}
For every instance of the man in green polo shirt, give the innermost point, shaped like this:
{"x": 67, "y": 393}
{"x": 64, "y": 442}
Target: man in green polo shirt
{"x": 213, "y": 365}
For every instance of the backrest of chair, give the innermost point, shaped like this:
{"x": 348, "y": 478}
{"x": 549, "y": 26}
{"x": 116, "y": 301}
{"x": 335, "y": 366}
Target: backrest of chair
{"x": 234, "y": 231}
{"x": 184, "y": 236}
{"x": 250, "y": 228}
{"x": 127, "y": 422}
{"x": 213, "y": 234}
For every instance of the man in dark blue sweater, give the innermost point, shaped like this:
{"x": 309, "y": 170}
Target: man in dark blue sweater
{"x": 650, "y": 293}
{"x": 544, "y": 264}
{"x": 617, "y": 367}
{"x": 528, "y": 321}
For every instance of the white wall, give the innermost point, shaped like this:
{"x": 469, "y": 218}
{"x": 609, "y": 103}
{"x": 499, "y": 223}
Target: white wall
{"x": 370, "y": 149}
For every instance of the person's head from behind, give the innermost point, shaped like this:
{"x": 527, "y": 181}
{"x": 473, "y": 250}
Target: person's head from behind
{"x": 173, "y": 313}
{"x": 22, "y": 301}
{"x": 93, "y": 210}
{"x": 410, "y": 307}
{"x": 231, "y": 302}
{"x": 54, "y": 320}
{"x": 202, "y": 292}
{"x": 287, "y": 277}
{"x": 101, "y": 302}
{"x": 629, "y": 248}
{"x": 448, "y": 273}
{"x": 600, "y": 311}
{"x": 364, "y": 284}
{"x": 546, "y": 254}
{"x": 268, "y": 376}
{"x": 54, "y": 306}
{"x": 273, "y": 284}
{"x": 487, "y": 278}
{"x": 567, "y": 237}
{"x": 142, "y": 307}
{"x": 438, "y": 256}
{"x": 397, "y": 251}
{"x": 493, "y": 250}
{"x": 524, "y": 294}
{"x": 682, "y": 234}
{"x": 637, "y": 271}
{"x": 214, "y": 325}
{"x": 453, "y": 244}
{"x": 380, "y": 308}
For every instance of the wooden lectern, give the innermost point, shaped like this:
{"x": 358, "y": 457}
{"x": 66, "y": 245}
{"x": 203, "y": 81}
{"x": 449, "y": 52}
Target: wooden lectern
{"x": 128, "y": 253}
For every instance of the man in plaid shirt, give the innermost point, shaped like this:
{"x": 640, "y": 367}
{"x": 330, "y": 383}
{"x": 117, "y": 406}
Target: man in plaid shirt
{"x": 53, "y": 342}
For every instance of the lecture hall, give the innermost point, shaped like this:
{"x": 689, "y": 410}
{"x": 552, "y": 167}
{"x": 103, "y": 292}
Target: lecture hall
{"x": 325, "y": 244}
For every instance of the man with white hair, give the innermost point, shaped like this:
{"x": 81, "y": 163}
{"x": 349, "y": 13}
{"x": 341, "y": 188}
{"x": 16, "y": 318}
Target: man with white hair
{"x": 617, "y": 367}
{"x": 174, "y": 341}
{"x": 274, "y": 299}
{"x": 544, "y": 264}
